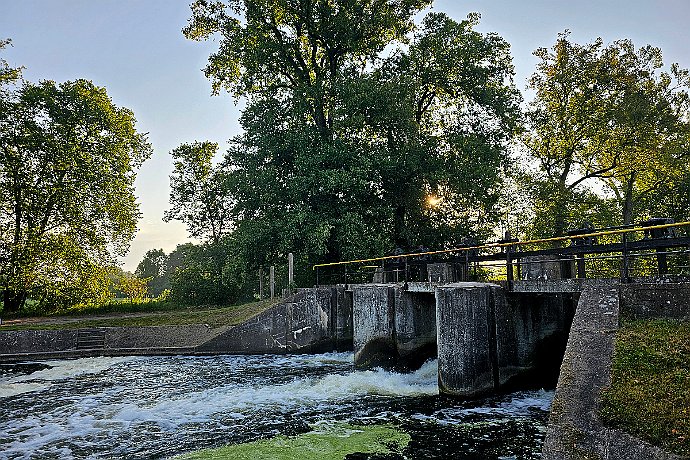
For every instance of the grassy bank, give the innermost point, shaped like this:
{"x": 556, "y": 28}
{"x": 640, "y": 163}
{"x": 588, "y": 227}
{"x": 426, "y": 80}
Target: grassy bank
{"x": 649, "y": 395}
{"x": 136, "y": 315}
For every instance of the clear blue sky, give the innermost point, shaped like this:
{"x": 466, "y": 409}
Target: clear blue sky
{"x": 136, "y": 50}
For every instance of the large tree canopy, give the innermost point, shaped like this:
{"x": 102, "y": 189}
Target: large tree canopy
{"x": 606, "y": 114}
{"x": 68, "y": 160}
{"x": 362, "y": 131}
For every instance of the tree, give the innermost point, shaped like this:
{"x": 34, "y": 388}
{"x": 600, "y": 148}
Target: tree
{"x": 603, "y": 114}
{"x": 200, "y": 193}
{"x": 327, "y": 167}
{"x": 133, "y": 287}
{"x": 7, "y": 73}
{"x": 294, "y": 48}
{"x": 68, "y": 160}
{"x": 154, "y": 267}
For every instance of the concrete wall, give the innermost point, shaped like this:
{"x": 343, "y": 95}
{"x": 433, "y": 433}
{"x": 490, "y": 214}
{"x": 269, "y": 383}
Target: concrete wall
{"x": 21, "y": 342}
{"x": 393, "y": 328}
{"x": 656, "y": 300}
{"x": 489, "y": 340}
{"x": 312, "y": 320}
{"x": 48, "y": 344}
{"x": 575, "y": 431}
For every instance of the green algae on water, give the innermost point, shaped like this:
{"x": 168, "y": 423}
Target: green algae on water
{"x": 325, "y": 442}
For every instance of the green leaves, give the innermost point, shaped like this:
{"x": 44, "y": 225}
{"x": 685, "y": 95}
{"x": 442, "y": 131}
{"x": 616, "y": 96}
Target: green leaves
{"x": 606, "y": 117}
{"x": 68, "y": 160}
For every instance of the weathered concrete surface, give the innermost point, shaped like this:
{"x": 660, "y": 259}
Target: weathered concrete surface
{"x": 549, "y": 285}
{"x": 656, "y": 300}
{"x": 489, "y": 340}
{"x": 440, "y": 273}
{"x": 373, "y": 318}
{"x": 532, "y": 333}
{"x": 49, "y": 344}
{"x": 575, "y": 431}
{"x": 393, "y": 328}
{"x": 543, "y": 268}
{"x": 311, "y": 320}
{"x": 466, "y": 335}
{"x": 415, "y": 329}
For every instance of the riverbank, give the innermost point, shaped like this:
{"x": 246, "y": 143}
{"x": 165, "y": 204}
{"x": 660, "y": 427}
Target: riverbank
{"x": 577, "y": 427}
{"x": 309, "y": 321}
{"x": 214, "y": 316}
{"x": 649, "y": 395}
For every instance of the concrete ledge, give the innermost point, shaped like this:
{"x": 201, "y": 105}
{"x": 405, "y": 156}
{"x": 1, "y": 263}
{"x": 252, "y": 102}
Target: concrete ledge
{"x": 575, "y": 431}
{"x": 310, "y": 321}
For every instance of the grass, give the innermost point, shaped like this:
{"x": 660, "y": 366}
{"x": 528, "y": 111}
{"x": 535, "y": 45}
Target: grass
{"x": 325, "y": 443}
{"x": 649, "y": 395}
{"x": 162, "y": 314}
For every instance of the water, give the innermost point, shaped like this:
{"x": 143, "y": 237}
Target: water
{"x": 156, "y": 407}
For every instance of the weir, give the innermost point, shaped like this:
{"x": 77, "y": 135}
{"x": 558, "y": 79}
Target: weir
{"x": 486, "y": 339}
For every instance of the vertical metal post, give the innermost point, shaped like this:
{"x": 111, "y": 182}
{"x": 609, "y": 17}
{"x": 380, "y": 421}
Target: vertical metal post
{"x": 581, "y": 266}
{"x": 291, "y": 271}
{"x": 509, "y": 263}
{"x": 661, "y": 261}
{"x": 407, "y": 269}
{"x": 345, "y": 276}
{"x": 625, "y": 269}
{"x": 317, "y": 277}
{"x": 466, "y": 268}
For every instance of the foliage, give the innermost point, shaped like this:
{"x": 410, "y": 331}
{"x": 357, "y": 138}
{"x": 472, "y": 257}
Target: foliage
{"x": 133, "y": 287}
{"x": 7, "y": 73}
{"x": 327, "y": 167}
{"x": 68, "y": 160}
{"x": 200, "y": 195}
{"x": 649, "y": 394}
{"x": 606, "y": 115}
{"x": 154, "y": 266}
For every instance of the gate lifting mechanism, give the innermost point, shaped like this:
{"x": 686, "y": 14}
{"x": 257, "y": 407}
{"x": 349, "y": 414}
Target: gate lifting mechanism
{"x": 660, "y": 238}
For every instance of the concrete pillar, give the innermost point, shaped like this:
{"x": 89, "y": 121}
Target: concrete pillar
{"x": 392, "y": 328}
{"x": 373, "y": 315}
{"x": 272, "y": 280}
{"x": 466, "y": 335}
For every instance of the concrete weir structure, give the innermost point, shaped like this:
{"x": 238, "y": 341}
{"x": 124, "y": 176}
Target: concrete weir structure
{"x": 392, "y": 328}
{"x": 485, "y": 339}
{"x": 489, "y": 339}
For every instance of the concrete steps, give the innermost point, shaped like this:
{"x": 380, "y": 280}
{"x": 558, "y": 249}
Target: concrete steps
{"x": 91, "y": 339}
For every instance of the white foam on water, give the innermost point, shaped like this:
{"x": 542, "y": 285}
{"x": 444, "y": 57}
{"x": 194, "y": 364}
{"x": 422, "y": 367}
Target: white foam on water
{"x": 59, "y": 370}
{"x": 237, "y": 401}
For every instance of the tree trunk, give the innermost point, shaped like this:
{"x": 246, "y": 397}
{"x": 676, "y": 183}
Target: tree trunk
{"x": 628, "y": 201}
{"x": 13, "y": 300}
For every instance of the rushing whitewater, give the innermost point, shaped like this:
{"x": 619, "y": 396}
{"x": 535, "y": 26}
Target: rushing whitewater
{"x": 156, "y": 407}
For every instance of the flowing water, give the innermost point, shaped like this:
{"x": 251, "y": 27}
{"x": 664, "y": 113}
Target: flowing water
{"x": 157, "y": 407}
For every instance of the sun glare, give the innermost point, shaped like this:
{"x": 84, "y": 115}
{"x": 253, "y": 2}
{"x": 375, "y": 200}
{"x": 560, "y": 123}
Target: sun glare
{"x": 433, "y": 201}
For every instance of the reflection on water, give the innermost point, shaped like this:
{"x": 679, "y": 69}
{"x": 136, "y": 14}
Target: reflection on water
{"x": 155, "y": 407}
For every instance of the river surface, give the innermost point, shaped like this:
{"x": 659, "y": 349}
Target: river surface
{"x": 157, "y": 407}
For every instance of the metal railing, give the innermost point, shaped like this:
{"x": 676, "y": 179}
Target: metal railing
{"x": 646, "y": 249}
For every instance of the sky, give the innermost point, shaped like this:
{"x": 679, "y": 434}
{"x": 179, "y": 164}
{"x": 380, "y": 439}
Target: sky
{"x": 135, "y": 49}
